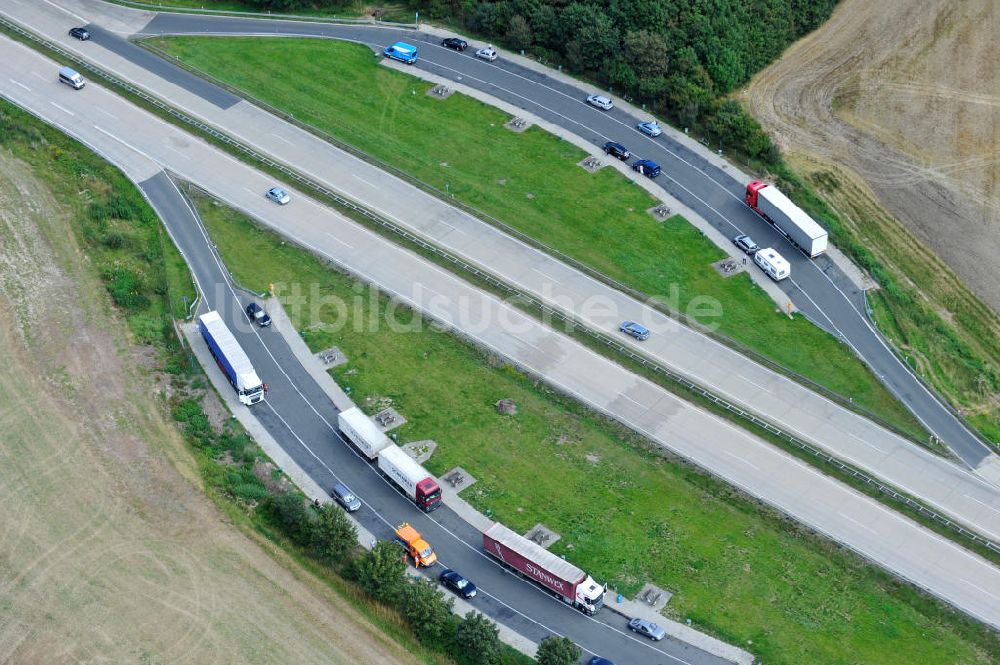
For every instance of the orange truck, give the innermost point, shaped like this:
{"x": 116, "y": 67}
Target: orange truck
{"x": 417, "y": 549}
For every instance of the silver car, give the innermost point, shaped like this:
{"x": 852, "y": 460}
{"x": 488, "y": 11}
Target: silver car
{"x": 278, "y": 195}
{"x": 601, "y": 102}
{"x": 647, "y": 628}
{"x": 650, "y": 128}
{"x": 488, "y": 53}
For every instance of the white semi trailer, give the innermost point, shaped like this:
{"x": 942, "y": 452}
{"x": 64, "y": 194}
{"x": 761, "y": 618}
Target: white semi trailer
{"x": 792, "y": 221}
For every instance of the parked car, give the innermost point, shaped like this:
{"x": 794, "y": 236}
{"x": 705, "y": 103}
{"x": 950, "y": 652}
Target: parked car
{"x": 650, "y": 128}
{"x": 746, "y": 243}
{"x": 617, "y": 150}
{"x": 258, "y": 315}
{"x": 632, "y": 328}
{"x": 401, "y": 51}
{"x": 455, "y": 43}
{"x": 80, "y": 33}
{"x": 647, "y": 167}
{"x": 345, "y": 497}
{"x": 487, "y": 53}
{"x": 601, "y": 102}
{"x": 457, "y": 583}
{"x": 597, "y": 660}
{"x": 647, "y": 628}
{"x": 278, "y": 195}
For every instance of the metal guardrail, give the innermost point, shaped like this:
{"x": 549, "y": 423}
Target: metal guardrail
{"x": 503, "y": 287}
{"x": 152, "y": 6}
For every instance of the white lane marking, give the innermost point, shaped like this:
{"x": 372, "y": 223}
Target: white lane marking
{"x": 107, "y": 113}
{"x": 982, "y": 504}
{"x": 19, "y": 84}
{"x": 867, "y": 443}
{"x": 745, "y": 461}
{"x": 40, "y": 77}
{"x": 63, "y": 9}
{"x": 62, "y": 108}
{"x": 547, "y": 276}
{"x": 339, "y": 240}
{"x": 176, "y": 151}
{"x": 756, "y": 385}
{"x": 851, "y": 519}
{"x": 247, "y": 189}
{"x": 367, "y": 182}
{"x": 282, "y": 139}
{"x": 979, "y": 588}
{"x": 128, "y": 145}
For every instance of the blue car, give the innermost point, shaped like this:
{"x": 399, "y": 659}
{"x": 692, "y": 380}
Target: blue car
{"x": 635, "y": 330}
{"x": 401, "y": 51}
{"x": 647, "y": 167}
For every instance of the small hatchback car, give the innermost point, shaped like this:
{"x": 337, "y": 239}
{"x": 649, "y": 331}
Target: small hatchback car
{"x": 278, "y": 195}
{"x": 632, "y": 328}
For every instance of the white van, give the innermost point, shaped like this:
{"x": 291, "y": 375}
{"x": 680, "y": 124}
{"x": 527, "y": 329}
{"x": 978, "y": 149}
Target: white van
{"x": 773, "y": 264}
{"x": 71, "y": 78}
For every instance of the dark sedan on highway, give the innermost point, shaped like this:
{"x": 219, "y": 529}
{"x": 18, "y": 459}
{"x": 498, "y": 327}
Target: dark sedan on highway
{"x": 457, "y": 583}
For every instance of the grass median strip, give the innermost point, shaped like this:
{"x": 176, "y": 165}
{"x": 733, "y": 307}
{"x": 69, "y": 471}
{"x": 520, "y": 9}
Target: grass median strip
{"x": 459, "y": 146}
{"x": 625, "y": 512}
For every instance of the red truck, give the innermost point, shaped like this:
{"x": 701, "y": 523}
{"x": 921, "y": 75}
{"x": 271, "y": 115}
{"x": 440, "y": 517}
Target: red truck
{"x": 559, "y": 576}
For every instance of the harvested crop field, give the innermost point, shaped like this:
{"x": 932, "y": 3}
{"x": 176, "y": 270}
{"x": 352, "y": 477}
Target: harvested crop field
{"x": 109, "y": 549}
{"x": 907, "y": 94}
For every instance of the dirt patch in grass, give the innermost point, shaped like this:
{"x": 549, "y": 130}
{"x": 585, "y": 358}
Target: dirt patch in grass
{"x": 108, "y": 552}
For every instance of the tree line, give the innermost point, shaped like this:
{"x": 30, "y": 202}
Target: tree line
{"x": 679, "y": 58}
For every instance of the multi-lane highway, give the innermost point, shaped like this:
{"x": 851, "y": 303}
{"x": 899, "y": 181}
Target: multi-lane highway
{"x": 141, "y": 144}
{"x": 819, "y": 288}
{"x": 941, "y": 484}
{"x": 302, "y": 418}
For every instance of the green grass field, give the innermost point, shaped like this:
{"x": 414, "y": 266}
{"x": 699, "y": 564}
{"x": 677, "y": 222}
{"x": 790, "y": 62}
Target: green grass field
{"x": 625, "y": 513}
{"x": 529, "y": 182}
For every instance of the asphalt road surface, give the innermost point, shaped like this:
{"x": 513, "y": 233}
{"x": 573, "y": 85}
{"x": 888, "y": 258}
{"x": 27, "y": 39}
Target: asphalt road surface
{"x": 138, "y": 142}
{"x": 818, "y": 287}
{"x": 300, "y": 416}
{"x": 812, "y": 418}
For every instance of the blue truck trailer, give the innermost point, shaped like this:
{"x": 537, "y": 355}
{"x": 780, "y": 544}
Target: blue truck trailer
{"x": 231, "y": 358}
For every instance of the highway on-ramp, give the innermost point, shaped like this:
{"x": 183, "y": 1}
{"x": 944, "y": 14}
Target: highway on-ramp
{"x": 141, "y": 144}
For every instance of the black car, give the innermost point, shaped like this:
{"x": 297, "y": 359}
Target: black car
{"x": 617, "y": 150}
{"x": 455, "y": 43}
{"x": 80, "y": 33}
{"x": 457, "y": 583}
{"x": 258, "y": 315}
